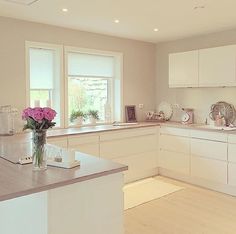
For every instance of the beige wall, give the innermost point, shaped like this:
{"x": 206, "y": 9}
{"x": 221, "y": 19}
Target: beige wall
{"x": 139, "y": 60}
{"x": 198, "y": 98}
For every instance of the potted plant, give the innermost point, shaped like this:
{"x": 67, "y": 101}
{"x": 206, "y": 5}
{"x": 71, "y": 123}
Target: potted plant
{"x": 77, "y": 117}
{"x": 93, "y": 116}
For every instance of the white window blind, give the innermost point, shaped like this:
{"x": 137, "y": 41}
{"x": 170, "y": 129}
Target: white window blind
{"x": 81, "y": 64}
{"x": 41, "y": 68}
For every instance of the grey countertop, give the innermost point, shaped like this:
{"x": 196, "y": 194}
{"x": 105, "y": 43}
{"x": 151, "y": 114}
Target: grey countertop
{"x": 19, "y": 180}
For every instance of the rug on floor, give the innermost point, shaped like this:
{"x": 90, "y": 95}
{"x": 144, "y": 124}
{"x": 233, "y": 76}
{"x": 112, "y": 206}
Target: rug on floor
{"x": 146, "y": 190}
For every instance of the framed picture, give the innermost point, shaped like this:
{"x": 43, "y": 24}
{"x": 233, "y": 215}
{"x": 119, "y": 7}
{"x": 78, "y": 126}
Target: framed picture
{"x": 130, "y": 114}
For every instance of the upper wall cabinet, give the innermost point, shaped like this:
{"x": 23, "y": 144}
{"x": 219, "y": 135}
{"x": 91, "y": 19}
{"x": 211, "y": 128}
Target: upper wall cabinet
{"x": 217, "y": 66}
{"x": 183, "y": 69}
{"x": 213, "y": 67}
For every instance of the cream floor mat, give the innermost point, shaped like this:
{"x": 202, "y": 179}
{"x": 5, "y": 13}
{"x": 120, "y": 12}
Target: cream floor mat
{"x": 146, "y": 190}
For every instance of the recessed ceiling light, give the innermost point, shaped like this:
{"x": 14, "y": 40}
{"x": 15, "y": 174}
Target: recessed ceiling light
{"x": 116, "y": 21}
{"x": 199, "y": 7}
{"x": 64, "y": 9}
{"x": 155, "y": 29}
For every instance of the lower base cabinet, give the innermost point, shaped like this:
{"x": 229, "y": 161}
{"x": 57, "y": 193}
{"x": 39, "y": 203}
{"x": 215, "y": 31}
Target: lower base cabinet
{"x": 140, "y": 166}
{"x": 209, "y": 169}
{"x": 178, "y": 162}
{"x": 232, "y": 174}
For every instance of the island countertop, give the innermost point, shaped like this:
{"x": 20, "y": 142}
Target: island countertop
{"x": 19, "y": 180}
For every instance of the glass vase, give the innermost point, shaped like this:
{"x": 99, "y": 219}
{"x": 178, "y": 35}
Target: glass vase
{"x": 39, "y": 152}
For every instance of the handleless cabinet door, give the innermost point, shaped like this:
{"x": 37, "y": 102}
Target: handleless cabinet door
{"x": 88, "y": 143}
{"x": 209, "y": 149}
{"x": 183, "y": 69}
{"x": 209, "y": 169}
{"x": 217, "y": 66}
{"x": 58, "y": 141}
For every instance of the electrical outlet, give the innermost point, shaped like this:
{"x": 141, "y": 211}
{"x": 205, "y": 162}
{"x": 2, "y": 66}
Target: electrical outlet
{"x": 140, "y": 106}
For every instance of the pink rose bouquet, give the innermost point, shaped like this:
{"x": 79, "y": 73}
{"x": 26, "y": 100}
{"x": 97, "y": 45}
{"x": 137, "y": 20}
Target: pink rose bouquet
{"x": 38, "y": 118}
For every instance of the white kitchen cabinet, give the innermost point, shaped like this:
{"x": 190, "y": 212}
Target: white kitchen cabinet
{"x": 58, "y": 141}
{"x": 183, "y": 69}
{"x": 209, "y": 154}
{"x": 217, "y": 66}
{"x": 209, "y": 169}
{"x": 174, "y": 161}
{"x": 232, "y": 174}
{"x": 139, "y": 165}
{"x": 174, "y": 150}
{"x": 232, "y": 153}
{"x": 209, "y": 149}
{"x": 175, "y": 143}
{"x": 174, "y": 131}
{"x": 232, "y": 160}
{"x": 88, "y": 143}
{"x": 208, "y": 135}
{"x": 136, "y": 148}
{"x": 128, "y": 146}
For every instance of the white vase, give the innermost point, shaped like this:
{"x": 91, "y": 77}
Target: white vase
{"x": 92, "y": 120}
{"x": 78, "y": 121}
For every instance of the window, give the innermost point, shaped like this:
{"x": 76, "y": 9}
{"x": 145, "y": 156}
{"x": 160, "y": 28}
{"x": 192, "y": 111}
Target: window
{"x": 44, "y": 76}
{"x": 94, "y": 83}
{"x": 92, "y": 80}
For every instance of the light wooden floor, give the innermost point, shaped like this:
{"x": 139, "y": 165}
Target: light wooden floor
{"x": 192, "y": 210}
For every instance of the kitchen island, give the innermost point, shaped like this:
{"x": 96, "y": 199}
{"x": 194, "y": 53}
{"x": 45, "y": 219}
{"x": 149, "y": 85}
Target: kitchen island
{"x": 86, "y": 199}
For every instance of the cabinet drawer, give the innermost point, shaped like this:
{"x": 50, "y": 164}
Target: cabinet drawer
{"x": 74, "y": 141}
{"x": 139, "y": 166}
{"x": 174, "y": 131}
{"x": 209, "y": 149}
{"x": 232, "y": 153}
{"x": 116, "y": 135}
{"x": 214, "y": 136}
{"x": 209, "y": 169}
{"x": 91, "y": 149}
{"x": 174, "y": 161}
{"x": 139, "y": 162}
{"x": 175, "y": 143}
{"x": 232, "y": 174}
{"x": 128, "y": 146}
{"x": 58, "y": 141}
{"x": 232, "y": 138}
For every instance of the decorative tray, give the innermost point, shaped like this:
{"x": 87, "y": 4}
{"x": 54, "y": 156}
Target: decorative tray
{"x": 68, "y": 165}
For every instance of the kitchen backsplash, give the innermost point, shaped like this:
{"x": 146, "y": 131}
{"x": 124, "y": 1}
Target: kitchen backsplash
{"x": 200, "y": 99}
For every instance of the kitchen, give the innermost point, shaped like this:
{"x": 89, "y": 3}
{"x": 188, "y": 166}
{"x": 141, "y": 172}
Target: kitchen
{"x": 145, "y": 81}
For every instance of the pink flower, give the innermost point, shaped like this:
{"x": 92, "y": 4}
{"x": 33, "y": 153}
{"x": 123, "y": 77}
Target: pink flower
{"x": 37, "y": 114}
{"x": 49, "y": 113}
{"x": 26, "y": 113}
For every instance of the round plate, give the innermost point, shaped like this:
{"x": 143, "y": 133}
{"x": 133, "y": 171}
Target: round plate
{"x": 185, "y": 117}
{"x": 166, "y": 108}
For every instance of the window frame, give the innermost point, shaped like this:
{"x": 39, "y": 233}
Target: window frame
{"x": 59, "y": 50}
{"x": 63, "y": 73}
{"x": 118, "y": 74}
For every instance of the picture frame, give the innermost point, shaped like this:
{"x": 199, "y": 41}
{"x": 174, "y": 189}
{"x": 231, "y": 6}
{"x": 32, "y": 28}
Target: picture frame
{"x": 130, "y": 113}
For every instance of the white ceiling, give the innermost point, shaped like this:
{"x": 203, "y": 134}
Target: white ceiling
{"x": 174, "y": 18}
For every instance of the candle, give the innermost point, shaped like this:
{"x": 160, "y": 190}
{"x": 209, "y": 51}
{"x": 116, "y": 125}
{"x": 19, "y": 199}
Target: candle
{"x": 36, "y": 103}
{"x": 48, "y": 103}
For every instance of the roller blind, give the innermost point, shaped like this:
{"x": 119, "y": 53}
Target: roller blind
{"x": 81, "y": 64}
{"x": 41, "y": 68}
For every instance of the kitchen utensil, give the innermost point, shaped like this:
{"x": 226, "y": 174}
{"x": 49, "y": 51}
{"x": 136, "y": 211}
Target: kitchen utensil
{"x": 225, "y": 110}
{"x": 166, "y": 110}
